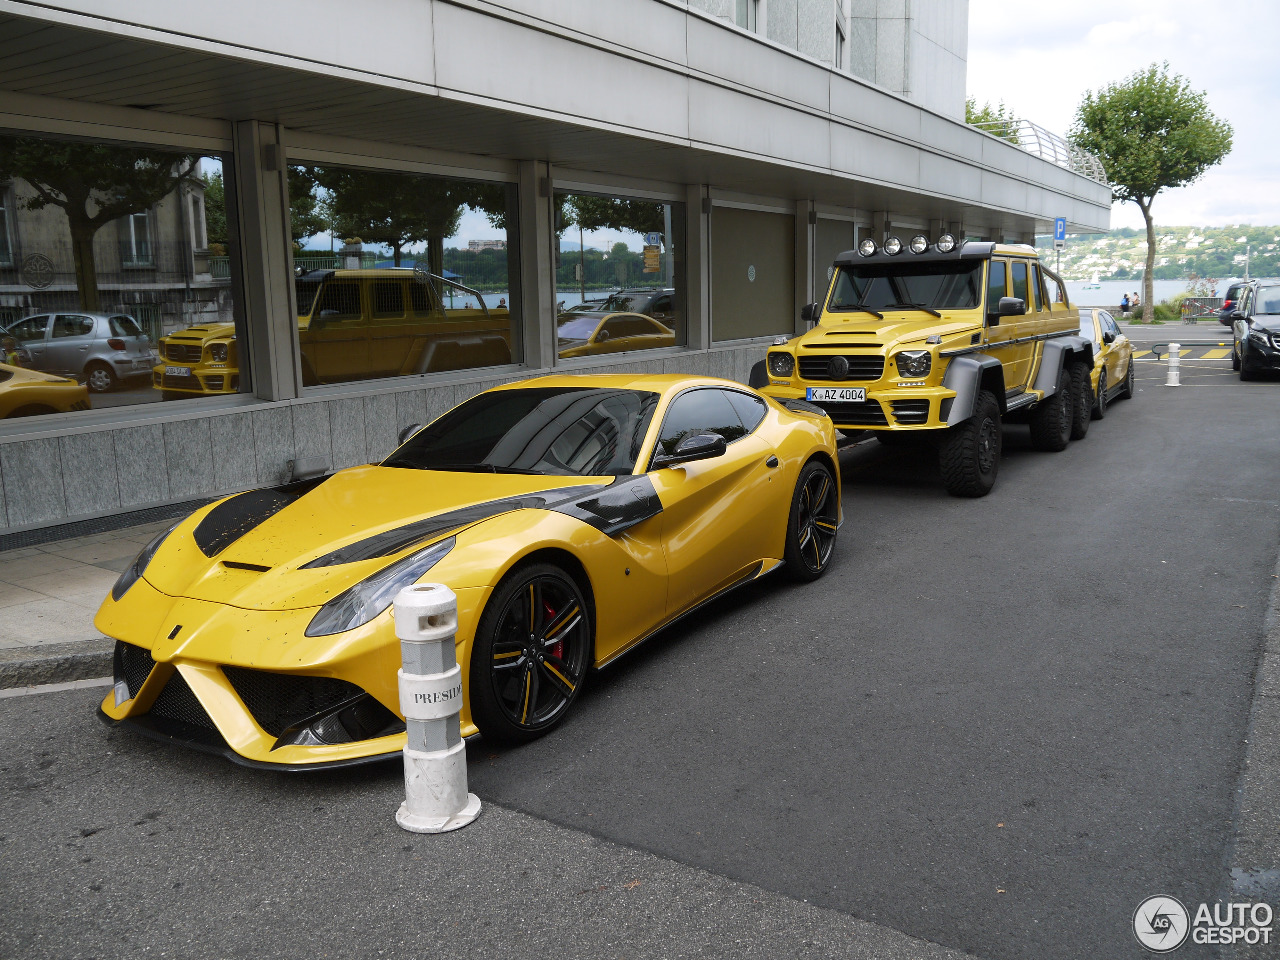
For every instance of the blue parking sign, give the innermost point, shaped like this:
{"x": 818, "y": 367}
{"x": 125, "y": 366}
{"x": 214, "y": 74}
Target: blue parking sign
{"x": 1060, "y": 228}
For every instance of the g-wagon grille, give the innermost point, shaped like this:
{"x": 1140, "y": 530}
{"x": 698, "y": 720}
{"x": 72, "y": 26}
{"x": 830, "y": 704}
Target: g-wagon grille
{"x": 183, "y": 352}
{"x": 861, "y": 367}
{"x": 280, "y": 700}
{"x": 910, "y": 411}
{"x": 132, "y": 665}
{"x": 171, "y": 382}
{"x": 213, "y": 383}
{"x": 869, "y": 414}
{"x": 177, "y": 702}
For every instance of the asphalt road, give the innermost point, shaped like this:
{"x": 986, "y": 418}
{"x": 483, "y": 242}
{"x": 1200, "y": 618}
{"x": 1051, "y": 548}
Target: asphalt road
{"x": 995, "y": 725}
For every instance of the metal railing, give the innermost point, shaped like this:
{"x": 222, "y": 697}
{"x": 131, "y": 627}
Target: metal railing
{"x": 1201, "y": 308}
{"x": 1036, "y": 140}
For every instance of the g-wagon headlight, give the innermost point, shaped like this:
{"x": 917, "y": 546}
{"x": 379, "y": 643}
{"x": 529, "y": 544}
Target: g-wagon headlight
{"x": 914, "y": 363}
{"x": 218, "y": 352}
{"x": 357, "y": 606}
{"x": 781, "y": 364}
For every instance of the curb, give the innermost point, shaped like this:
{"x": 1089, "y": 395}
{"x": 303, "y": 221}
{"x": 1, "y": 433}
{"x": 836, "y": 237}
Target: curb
{"x": 55, "y": 663}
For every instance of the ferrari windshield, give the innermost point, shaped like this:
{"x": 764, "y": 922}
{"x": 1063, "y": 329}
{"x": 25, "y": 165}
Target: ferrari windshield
{"x": 563, "y": 431}
{"x": 951, "y": 285}
{"x": 578, "y": 327}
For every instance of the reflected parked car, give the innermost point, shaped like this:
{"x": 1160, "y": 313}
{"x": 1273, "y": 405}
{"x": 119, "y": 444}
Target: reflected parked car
{"x": 588, "y": 334}
{"x": 102, "y": 348}
{"x": 29, "y": 393}
{"x": 1113, "y": 373}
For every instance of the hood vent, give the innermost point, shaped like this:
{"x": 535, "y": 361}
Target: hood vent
{"x": 235, "y": 565}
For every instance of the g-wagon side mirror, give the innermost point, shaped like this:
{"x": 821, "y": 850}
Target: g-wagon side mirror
{"x": 697, "y": 446}
{"x": 1012, "y": 307}
{"x": 811, "y": 312}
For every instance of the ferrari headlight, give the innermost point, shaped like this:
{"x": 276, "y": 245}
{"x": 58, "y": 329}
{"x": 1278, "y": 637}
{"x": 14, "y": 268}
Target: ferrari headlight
{"x": 914, "y": 363}
{"x": 781, "y": 364}
{"x": 133, "y": 573}
{"x": 218, "y": 352}
{"x": 368, "y": 598}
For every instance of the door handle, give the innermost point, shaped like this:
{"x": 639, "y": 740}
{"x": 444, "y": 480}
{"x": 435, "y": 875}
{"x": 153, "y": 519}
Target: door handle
{"x": 771, "y": 462}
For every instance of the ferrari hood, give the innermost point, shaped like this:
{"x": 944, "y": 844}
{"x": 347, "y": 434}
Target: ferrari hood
{"x": 284, "y": 549}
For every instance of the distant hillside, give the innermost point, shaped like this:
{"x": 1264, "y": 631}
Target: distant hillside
{"x": 1180, "y": 252}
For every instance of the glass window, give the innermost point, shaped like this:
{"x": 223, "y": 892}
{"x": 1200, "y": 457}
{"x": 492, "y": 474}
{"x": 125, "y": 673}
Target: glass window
{"x": 30, "y": 329}
{"x": 6, "y": 242}
{"x": 369, "y": 242}
{"x": 83, "y": 219}
{"x": 1055, "y": 291}
{"x": 1037, "y": 299}
{"x": 1268, "y": 300}
{"x": 952, "y": 285}
{"x": 1086, "y": 326}
{"x": 1019, "y": 272}
{"x": 997, "y": 285}
{"x": 750, "y": 410}
{"x": 699, "y": 411}
{"x": 538, "y": 430}
{"x": 617, "y": 255}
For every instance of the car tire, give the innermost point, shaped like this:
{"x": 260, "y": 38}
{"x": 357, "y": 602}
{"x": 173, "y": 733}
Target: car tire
{"x": 1235, "y": 357}
{"x": 1099, "y": 409}
{"x": 100, "y": 378}
{"x": 1081, "y": 401}
{"x": 1052, "y": 418}
{"x": 1130, "y": 382}
{"x": 969, "y": 453}
{"x": 812, "y": 522}
{"x": 1245, "y": 373}
{"x": 533, "y": 647}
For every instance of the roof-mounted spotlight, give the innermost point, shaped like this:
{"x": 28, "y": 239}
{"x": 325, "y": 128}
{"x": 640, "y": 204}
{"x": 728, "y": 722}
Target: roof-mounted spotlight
{"x": 946, "y": 243}
{"x": 919, "y": 244}
{"x": 867, "y": 248}
{"x": 893, "y": 246}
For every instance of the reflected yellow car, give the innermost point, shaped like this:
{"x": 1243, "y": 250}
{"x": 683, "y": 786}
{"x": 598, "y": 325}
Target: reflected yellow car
{"x": 352, "y": 325}
{"x": 587, "y": 333}
{"x": 1113, "y": 372}
{"x": 573, "y": 517}
{"x": 29, "y": 393}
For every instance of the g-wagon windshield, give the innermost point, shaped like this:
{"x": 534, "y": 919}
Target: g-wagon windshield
{"x": 953, "y": 285}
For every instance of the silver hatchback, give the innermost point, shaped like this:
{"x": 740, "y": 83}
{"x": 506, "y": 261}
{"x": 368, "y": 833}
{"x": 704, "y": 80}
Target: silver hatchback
{"x": 101, "y": 348}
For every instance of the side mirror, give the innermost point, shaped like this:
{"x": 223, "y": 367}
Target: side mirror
{"x": 407, "y": 432}
{"x": 696, "y": 446}
{"x": 811, "y": 312}
{"x": 1108, "y": 337}
{"x": 1012, "y": 307}
{"x": 602, "y": 336}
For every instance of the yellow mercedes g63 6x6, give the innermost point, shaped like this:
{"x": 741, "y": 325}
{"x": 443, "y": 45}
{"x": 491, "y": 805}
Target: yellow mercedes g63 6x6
{"x": 941, "y": 341}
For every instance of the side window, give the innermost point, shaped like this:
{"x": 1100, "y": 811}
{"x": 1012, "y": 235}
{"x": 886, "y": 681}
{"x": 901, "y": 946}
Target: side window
{"x": 387, "y": 297}
{"x": 422, "y": 300}
{"x": 125, "y": 326}
{"x": 997, "y": 285}
{"x": 699, "y": 411}
{"x": 339, "y": 300}
{"x": 69, "y": 325}
{"x": 1054, "y": 291}
{"x": 32, "y": 328}
{"x": 1020, "y": 283}
{"x": 661, "y": 306}
{"x": 750, "y": 410}
{"x": 1037, "y": 284}
{"x": 1086, "y": 326}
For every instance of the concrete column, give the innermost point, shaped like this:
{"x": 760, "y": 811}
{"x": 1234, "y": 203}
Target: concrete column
{"x": 266, "y": 259}
{"x": 697, "y": 272}
{"x": 537, "y": 283}
{"x": 806, "y": 242}
{"x": 879, "y": 227}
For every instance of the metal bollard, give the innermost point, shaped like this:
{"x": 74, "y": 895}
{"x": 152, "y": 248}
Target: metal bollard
{"x": 1173, "y": 378}
{"x": 435, "y": 758}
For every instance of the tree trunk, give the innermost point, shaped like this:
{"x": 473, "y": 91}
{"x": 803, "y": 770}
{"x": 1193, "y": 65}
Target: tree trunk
{"x": 435, "y": 260}
{"x": 85, "y": 265}
{"x": 395, "y": 251}
{"x": 1148, "y": 307}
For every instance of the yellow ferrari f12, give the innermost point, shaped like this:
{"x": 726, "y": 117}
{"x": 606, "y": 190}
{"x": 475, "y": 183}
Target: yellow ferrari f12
{"x": 572, "y": 516}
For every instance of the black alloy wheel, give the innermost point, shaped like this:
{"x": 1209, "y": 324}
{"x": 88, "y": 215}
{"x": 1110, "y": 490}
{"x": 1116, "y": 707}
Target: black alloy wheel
{"x": 531, "y": 654}
{"x": 1130, "y": 379}
{"x": 813, "y": 523}
{"x": 1100, "y": 401}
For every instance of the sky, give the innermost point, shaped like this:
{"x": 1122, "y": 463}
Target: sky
{"x": 1041, "y": 59}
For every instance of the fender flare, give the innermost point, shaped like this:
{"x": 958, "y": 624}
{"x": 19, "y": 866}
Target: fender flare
{"x": 1057, "y": 352}
{"x": 759, "y": 376}
{"x": 965, "y": 376}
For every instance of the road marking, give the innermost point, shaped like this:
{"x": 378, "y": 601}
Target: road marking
{"x": 1140, "y": 353}
{"x": 1216, "y": 355}
{"x": 55, "y": 687}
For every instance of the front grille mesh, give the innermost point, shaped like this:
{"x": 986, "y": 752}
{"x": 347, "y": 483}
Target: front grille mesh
{"x": 869, "y": 414}
{"x": 280, "y": 700}
{"x": 171, "y": 382}
{"x": 183, "y": 352}
{"x": 861, "y": 367}
{"x": 213, "y": 383}
{"x": 177, "y": 702}
{"x": 132, "y": 665}
{"x": 910, "y": 411}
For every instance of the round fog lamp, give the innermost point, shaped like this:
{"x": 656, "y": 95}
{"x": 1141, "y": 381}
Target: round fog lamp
{"x": 781, "y": 364}
{"x": 919, "y": 244}
{"x": 867, "y": 247}
{"x": 893, "y": 246}
{"x": 946, "y": 243}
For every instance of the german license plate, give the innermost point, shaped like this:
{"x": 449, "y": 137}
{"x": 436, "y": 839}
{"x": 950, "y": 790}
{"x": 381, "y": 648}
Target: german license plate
{"x": 177, "y": 371}
{"x": 837, "y": 394}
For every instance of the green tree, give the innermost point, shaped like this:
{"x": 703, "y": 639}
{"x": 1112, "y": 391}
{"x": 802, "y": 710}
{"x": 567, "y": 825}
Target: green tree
{"x": 998, "y": 120}
{"x": 215, "y": 207}
{"x": 93, "y": 184}
{"x": 607, "y": 213}
{"x": 308, "y": 212}
{"x": 1152, "y": 132}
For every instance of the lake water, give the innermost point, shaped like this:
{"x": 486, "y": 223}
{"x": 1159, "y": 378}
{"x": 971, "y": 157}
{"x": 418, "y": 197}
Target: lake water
{"x": 1112, "y": 290}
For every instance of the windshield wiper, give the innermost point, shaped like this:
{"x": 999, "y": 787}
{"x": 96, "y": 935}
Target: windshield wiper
{"x": 861, "y": 308}
{"x": 913, "y": 306}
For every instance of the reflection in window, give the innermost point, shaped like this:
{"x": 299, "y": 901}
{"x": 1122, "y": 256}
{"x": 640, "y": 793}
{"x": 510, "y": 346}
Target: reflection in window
{"x": 400, "y": 274}
{"x": 699, "y": 411}
{"x": 950, "y": 285}
{"x": 619, "y": 274}
{"x": 77, "y": 220}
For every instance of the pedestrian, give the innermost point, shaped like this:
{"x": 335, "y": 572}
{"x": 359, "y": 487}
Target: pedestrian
{"x": 1124, "y": 305}
{"x": 502, "y": 303}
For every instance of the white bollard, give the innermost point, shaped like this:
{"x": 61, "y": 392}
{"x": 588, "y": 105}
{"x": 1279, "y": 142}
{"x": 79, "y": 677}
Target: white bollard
{"x": 1173, "y": 378}
{"x": 435, "y": 758}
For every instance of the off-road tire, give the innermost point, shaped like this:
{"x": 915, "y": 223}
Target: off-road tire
{"x": 1099, "y": 409}
{"x": 1052, "y": 418}
{"x": 1082, "y": 397}
{"x": 969, "y": 452}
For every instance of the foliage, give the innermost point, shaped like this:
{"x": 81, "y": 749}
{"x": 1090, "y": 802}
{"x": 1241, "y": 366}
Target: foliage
{"x": 609, "y": 213}
{"x": 215, "y": 208}
{"x": 93, "y": 184}
{"x": 998, "y": 120}
{"x": 1152, "y": 132}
